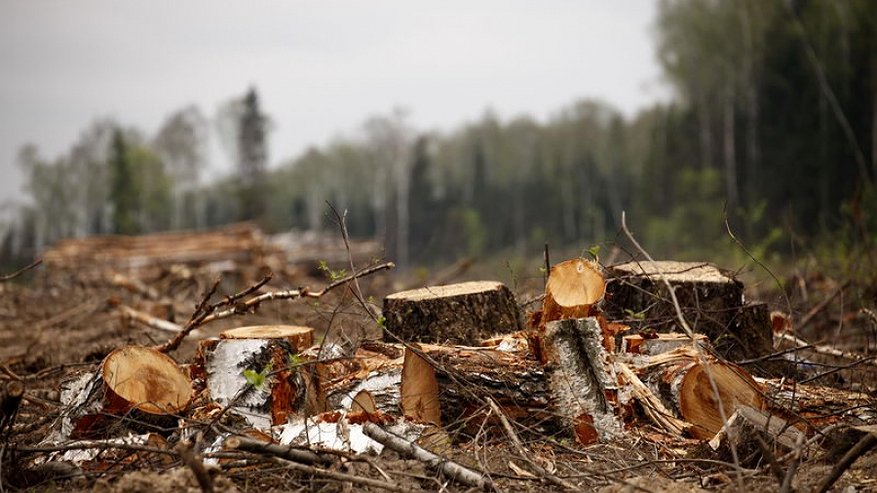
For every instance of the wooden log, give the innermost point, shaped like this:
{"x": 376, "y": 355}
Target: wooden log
{"x": 467, "y": 376}
{"x": 379, "y": 374}
{"x": 711, "y": 301}
{"x": 461, "y": 313}
{"x": 255, "y": 372}
{"x": 701, "y": 390}
{"x": 134, "y": 381}
{"x": 582, "y": 379}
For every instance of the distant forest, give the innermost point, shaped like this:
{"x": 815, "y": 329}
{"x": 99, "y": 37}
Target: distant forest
{"x": 774, "y": 121}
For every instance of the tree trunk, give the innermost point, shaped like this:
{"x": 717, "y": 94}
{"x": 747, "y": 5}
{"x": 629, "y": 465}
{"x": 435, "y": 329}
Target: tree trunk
{"x": 730, "y": 154}
{"x": 573, "y": 288}
{"x": 460, "y": 313}
{"x": 582, "y": 378}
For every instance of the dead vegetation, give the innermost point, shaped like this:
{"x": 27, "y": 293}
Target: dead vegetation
{"x": 213, "y": 362}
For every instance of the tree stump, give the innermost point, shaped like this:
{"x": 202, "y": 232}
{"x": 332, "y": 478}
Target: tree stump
{"x": 573, "y": 288}
{"x": 462, "y": 313}
{"x": 711, "y": 301}
{"x": 581, "y": 378}
{"x": 255, "y": 371}
{"x": 136, "y": 382}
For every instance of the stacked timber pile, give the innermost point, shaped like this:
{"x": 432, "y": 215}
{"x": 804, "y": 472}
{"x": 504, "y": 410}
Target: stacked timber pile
{"x": 237, "y": 243}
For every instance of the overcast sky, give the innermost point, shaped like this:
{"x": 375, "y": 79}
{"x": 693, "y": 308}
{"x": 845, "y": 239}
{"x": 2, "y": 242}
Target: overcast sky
{"x": 322, "y": 67}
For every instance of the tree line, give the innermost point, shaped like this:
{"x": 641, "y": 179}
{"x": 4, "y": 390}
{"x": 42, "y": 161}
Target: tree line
{"x": 773, "y": 126}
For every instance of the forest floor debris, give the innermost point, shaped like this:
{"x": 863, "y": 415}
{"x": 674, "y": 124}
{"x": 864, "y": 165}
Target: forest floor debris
{"x": 285, "y": 386}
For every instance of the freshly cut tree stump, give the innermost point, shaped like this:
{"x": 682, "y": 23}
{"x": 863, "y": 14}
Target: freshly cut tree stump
{"x": 256, "y": 373}
{"x": 573, "y": 288}
{"x": 144, "y": 379}
{"x": 462, "y": 313}
{"x": 132, "y": 381}
{"x": 582, "y": 378}
{"x": 711, "y": 301}
{"x": 686, "y": 382}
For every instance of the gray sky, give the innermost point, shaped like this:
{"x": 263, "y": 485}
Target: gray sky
{"x": 322, "y": 67}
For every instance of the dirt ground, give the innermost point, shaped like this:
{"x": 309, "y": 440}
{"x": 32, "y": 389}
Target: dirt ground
{"x": 59, "y": 322}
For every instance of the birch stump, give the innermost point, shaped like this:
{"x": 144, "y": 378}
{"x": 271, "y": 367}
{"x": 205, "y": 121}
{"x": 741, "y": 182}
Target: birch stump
{"x": 462, "y": 313}
{"x": 256, "y": 372}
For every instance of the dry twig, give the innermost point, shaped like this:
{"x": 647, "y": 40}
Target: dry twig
{"x": 9, "y": 277}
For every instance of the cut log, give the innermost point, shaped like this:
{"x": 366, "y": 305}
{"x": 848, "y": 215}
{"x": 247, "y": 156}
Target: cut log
{"x": 582, "y": 378}
{"x": 573, "y": 287}
{"x": 711, "y": 302}
{"x": 688, "y": 383}
{"x": 420, "y": 391}
{"x": 458, "y": 313}
{"x": 254, "y": 371}
{"x": 369, "y": 372}
{"x": 136, "y": 382}
{"x": 467, "y": 377}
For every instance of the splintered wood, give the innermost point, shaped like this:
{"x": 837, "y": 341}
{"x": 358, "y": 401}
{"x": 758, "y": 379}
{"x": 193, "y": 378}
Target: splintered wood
{"x": 461, "y": 313}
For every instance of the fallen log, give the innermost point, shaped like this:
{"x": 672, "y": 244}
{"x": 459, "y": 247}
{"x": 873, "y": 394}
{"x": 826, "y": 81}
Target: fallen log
{"x": 700, "y": 389}
{"x": 659, "y": 343}
{"x": 461, "y": 313}
{"x": 254, "y": 371}
{"x": 746, "y": 428}
{"x": 467, "y": 376}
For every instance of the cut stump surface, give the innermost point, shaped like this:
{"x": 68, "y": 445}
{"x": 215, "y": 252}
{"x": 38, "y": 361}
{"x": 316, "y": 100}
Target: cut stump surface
{"x": 462, "y": 313}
